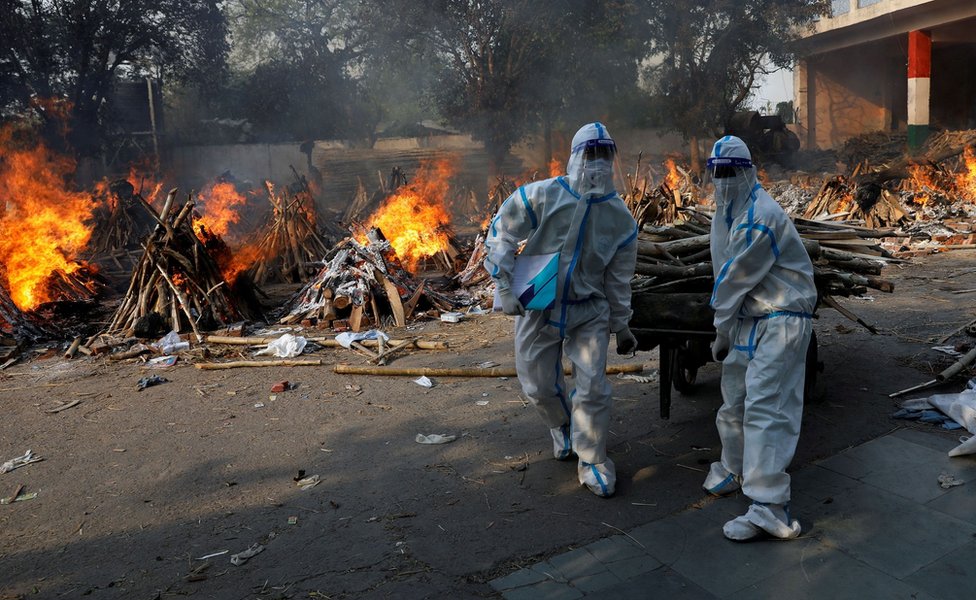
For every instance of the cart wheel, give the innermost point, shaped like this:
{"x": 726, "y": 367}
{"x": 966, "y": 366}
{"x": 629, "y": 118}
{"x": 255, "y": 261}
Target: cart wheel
{"x": 684, "y": 371}
{"x": 812, "y": 393}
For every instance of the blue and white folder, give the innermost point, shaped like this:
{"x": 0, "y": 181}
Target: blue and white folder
{"x": 534, "y": 281}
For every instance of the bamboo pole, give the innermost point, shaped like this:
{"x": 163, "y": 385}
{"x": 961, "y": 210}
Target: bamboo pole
{"x": 345, "y": 369}
{"x": 324, "y": 341}
{"x": 259, "y": 363}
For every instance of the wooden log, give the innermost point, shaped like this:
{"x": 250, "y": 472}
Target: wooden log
{"x": 259, "y": 363}
{"x": 73, "y": 348}
{"x": 393, "y": 297}
{"x": 957, "y": 367}
{"x": 673, "y": 272}
{"x": 672, "y": 311}
{"x": 345, "y": 369}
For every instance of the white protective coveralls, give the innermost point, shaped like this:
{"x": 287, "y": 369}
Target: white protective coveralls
{"x": 764, "y": 297}
{"x": 587, "y": 238}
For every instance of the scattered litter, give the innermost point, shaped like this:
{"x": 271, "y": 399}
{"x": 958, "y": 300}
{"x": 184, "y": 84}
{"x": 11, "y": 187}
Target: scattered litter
{"x": 170, "y": 343}
{"x": 950, "y": 350}
{"x": 958, "y": 410}
{"x": 241, "y": 557}
{"x": 701, "y": 448}
{"x": 281, "y": 386}
{"x": 259, "y": 405}
{"x": 162, "y": 361}
{"x": 293, "y": 520}
{"x": 947, "y": 480}
{"x": 14, "y": 463}
{"x": 287, "y": 346}
{"x": 307, "y": 483}
{"x": 638, "y": 378}
{"x": 452, "y": 317}
{"x": 487, "y": 364}
{"x": 19, "y": 498}
{"x": 424, "y": 381}
{"x": 346, "y": 338}
{"x": 477, "y": 310}
{"x": 221, "y": 553}
{"x": 150, "y": 381}
{"x": 482, "y": 403}
{"x": 435, "y": 438}
{"x": 354, "y": 390}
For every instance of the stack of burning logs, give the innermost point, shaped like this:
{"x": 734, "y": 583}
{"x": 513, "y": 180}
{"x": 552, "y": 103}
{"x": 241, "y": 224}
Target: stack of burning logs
{"x": 675, "y": 259}
{"x": 291, "y": 241}
{"x": 176, "y": 280}
{"x": 12, "y": 321}
{"x": 363, "y": 284}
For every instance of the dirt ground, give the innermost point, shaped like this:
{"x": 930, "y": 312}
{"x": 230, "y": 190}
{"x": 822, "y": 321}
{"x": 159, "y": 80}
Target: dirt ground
{"x": 136, "y": 486}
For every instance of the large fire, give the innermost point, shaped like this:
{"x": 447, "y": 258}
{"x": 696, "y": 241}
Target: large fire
{"x": 673, "y": 178}
{"x": 415, "y": 217}
{"x": 966, "y": 181}
{"x": 43, "y": 222}
{"x": 218, "y": 206}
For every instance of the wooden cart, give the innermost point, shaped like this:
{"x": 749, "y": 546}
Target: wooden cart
{"x": 680, "y": 324}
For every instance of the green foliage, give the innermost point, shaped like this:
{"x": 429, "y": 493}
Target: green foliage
{"x": 785, "y": 111}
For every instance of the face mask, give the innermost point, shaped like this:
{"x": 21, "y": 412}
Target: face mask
{"x": 597, "y": 177}
{"x": 725, "y": 189}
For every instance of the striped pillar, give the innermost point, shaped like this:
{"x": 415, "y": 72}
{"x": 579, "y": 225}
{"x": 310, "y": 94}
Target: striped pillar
{"x": 919, "y": 76}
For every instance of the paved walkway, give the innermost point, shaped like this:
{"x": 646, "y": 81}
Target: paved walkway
{"x": 876, "y": 524}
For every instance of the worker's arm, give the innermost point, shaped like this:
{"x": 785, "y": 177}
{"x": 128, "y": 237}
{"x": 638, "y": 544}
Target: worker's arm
{"x": 752, "y": 251}
{"x": 516, "y": 218}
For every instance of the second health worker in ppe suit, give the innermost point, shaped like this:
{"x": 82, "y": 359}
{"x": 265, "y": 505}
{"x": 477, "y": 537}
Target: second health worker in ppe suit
{"x": 764, "y": 297}
{"x": 569, "y": 288}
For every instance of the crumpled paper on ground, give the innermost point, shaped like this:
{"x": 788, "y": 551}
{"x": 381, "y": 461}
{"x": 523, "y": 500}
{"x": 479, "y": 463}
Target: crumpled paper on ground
{"x": 960, "y": 407}
{"x": 14, "y": 463}
{"x": 346, "y": 338}
{"x": 287, "y": 346}
{"x": 435, "y": 438}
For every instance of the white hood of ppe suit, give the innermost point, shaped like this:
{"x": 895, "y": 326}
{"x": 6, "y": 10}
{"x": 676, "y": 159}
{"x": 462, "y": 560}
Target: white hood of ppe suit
{"x": 590, "y": 177}
{"x": 759, "y": 261}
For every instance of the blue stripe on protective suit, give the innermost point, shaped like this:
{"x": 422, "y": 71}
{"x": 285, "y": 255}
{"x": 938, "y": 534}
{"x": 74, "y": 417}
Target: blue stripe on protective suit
{"x": 528, "y": 208}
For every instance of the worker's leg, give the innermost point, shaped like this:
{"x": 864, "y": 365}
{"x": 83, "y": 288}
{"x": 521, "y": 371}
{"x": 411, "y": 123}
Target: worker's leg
{"x": 586, "y": 347}
{"x": 538, "y": 362}
{"x": 724, "y": 477}
{"x": 774, "y": 407}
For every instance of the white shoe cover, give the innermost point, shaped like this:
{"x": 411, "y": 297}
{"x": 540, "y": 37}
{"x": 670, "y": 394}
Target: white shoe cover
{"x": 601, "y": 479}
{"x": 760, "y": 518}
{"x": 562, "y": 444}
{"x": 720, "y": 482}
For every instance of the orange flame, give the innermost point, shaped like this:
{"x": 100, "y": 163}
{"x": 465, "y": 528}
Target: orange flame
{"x": 218, "y": 206}
{"x": 556, "y": 167}
{"x": 414, "y": 217}
{"x": 144, "y": 183}
{"x": 966, "y": 181}
{"x": 43, "y": 223}
{"x": 673, "y": 178}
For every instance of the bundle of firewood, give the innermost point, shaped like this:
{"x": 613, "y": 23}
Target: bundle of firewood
{"x": 291, "y": 242}
{"x": 363, "y": 284}
{"x": 838, "y": 198}
{"x": 847, "y": 259}
{"x": 661, "y": 203}
{"x": 176, "y": 278}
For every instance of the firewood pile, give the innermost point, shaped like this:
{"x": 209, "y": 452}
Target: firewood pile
{"x": 675, "y": 259}
{"x": 661, "y": 203}
{"x": 838, "y": 199}
{"x": 176, "y": 278}
{"x": 364, "y": 285}
{"x": 363, "y": 204}
{"x": 291, "y": 241}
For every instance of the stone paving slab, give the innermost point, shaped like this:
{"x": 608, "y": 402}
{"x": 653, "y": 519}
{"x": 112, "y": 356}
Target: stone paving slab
{"x": 873, "y": 527}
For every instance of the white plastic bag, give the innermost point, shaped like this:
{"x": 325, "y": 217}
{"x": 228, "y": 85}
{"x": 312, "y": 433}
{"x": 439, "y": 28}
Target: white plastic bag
{"x": 287, "y": 346}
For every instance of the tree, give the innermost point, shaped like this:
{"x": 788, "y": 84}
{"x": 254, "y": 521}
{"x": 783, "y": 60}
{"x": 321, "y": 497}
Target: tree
{"x": 705, "y": 56}
{"x": 77, "y": 49}
{"x": 293, "y": 59}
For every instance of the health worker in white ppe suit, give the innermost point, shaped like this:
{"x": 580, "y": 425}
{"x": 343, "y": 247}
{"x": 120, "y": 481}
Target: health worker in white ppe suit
{"x": 569, "y": 288}
{"x": 764, "y": 297}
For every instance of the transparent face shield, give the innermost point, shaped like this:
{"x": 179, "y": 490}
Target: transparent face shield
{"x": 595, "y": 175}
{"x": 732, "y": 177}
